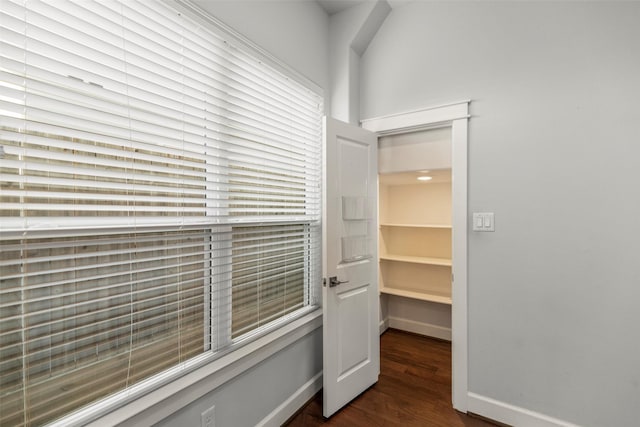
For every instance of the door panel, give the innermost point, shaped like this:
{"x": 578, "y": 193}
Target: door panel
{"x": 350, "y": 309}
{"x": 353, "y": 337}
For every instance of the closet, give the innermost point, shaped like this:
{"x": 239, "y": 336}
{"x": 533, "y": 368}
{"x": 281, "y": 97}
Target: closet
{"x": 415, "y": 231}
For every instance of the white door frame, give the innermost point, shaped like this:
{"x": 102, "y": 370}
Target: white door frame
{"x": 455, "y": 115}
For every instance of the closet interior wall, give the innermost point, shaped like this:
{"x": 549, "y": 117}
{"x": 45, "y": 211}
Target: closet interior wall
{"x": 415, "y": 231}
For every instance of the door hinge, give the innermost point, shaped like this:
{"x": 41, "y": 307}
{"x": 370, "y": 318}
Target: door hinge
{"x": 324, "y": 281}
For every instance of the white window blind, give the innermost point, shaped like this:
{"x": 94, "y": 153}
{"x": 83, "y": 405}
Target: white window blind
{"x": 160, "y": 199}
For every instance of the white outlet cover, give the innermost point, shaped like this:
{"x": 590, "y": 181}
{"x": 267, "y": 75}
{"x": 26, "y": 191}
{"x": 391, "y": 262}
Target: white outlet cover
{"x": 208, "y": 417}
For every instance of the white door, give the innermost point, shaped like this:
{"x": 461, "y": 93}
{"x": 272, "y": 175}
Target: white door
{"x": 350, "y": 299}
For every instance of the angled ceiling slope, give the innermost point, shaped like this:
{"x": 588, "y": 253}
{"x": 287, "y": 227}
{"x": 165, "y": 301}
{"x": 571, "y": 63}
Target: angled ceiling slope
{"x": 335, "y": 6}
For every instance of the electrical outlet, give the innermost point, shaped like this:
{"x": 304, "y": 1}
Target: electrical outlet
{"x": 208, "y": 419}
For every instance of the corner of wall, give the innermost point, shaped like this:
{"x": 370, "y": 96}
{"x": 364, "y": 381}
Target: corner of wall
{"x": 350, "y": 33}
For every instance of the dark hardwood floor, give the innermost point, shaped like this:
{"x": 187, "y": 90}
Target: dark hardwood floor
{"x": 414, "y": 389}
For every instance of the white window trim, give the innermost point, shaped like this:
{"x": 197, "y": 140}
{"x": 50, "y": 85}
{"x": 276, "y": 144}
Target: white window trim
{"x": 160, "y": 402}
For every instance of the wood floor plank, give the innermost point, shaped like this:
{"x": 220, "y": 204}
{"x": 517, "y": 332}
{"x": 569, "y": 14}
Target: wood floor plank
{"x": 413, "y": 390}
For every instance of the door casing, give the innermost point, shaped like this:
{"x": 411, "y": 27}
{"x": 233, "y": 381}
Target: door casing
{"x": 454, "y": 115}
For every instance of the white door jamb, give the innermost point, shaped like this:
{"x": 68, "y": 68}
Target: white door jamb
{"x": 456, "y": 116}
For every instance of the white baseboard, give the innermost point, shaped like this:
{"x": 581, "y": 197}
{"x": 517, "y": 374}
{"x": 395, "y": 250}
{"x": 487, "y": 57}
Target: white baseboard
{"x": 289, "y": 407}
{"x": 384, "y": 325}
{"x": 510, "y": 414}
{"x": 420, "y": 328}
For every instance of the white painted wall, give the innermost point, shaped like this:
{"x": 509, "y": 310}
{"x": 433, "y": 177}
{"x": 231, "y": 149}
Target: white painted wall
{"x": 554, "y": 143}
{"x": 350, "y": 32}
{"x": 420, "y": 317}
{"x": 415, "y": 151}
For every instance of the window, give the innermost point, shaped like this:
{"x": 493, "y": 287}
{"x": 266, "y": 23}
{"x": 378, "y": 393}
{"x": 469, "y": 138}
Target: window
{"x": 160, "y": 199}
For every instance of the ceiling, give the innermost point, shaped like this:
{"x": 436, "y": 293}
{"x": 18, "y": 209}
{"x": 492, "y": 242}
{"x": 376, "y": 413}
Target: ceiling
{"x": 335, "y": 6}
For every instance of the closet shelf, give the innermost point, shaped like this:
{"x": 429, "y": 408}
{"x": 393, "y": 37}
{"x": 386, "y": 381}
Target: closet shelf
{"x": 417, "y": 259}
{"x": 386, "y": 224}
{"x": 422, "y": 296}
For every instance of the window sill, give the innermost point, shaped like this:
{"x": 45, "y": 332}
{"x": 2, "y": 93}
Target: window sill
{"x": 169, "y": 398}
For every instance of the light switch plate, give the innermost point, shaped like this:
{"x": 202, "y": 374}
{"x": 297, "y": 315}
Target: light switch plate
{"x": 483, "y": 221}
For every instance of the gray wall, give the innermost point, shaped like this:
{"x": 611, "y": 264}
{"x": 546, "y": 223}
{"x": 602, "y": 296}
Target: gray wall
{"x": 250, "y": 397}
{"x": 554, "y": 150}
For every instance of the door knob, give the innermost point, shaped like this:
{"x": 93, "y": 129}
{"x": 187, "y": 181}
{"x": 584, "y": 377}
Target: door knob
{"x": 333, "y": 281}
